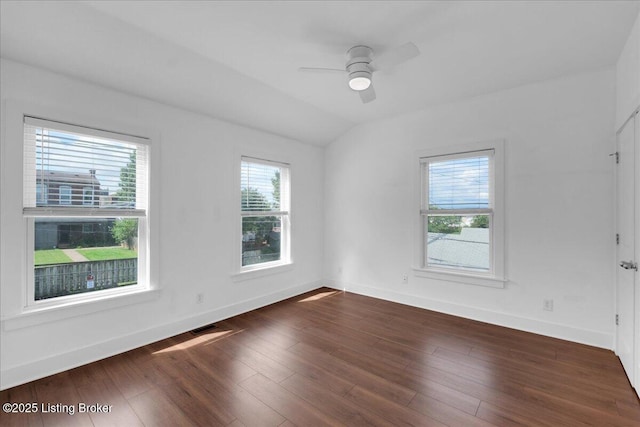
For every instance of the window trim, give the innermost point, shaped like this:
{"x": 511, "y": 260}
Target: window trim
{"x": 285, "y": 262}
{"x": 494, "y": 278}
{"x": 33, "y": 316}
{"x": 16, "y": 314}
{"x": 29, "y": 304}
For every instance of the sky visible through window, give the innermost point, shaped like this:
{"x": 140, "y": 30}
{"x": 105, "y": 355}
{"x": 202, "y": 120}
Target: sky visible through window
{"x": 461, "y": 183}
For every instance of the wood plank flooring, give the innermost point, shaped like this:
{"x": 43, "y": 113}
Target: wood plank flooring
{"x": 330, "y": 358}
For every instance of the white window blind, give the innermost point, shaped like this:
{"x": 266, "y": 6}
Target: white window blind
{"x": 84, "y": 171}
{"x": 263, "y": 186}
{"x": 458, "y": 183}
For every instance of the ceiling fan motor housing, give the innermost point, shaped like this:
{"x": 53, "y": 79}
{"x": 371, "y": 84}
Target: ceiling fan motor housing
{"x": 358, "y": 61}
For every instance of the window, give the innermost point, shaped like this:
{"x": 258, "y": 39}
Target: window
{"x": 461, "y": 211}
{"x": 264, "y": 188}
{"x": 87, "y": 196}
{"x": 64, "y": 195}
{"x": 42, "y": 194}
{"x": 94, "y": 240}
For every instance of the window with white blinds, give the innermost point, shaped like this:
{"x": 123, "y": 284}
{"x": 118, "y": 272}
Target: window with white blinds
{"x": 459, "y": 182}
{"x": 457, "y": 210}
{"x": 264, "y": 212}
{"x": 85, "y": 197}
{"x": 262, "y": 185}
{"x": 84, "y": 171}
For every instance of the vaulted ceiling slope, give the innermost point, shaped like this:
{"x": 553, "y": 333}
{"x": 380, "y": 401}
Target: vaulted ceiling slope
{"x": 239, "y": 61}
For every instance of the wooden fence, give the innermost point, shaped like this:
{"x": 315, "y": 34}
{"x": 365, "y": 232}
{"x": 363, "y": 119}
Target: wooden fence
{"x": 77, "y": 277}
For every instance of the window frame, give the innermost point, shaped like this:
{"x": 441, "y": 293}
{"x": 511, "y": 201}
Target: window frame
{"x": 68, "y": 195}
{"x": 285, "y": 262}
{"x": 88, "y": 191}
{"x": 30, "y": 214}
{"x": 15, "y": 262}
{"x": 495, "y": 277}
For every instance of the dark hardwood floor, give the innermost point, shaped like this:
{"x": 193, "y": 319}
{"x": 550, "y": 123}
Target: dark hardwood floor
{"x": 334, "y": 358}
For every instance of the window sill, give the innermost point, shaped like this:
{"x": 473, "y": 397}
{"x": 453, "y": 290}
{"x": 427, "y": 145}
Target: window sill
{"x": 36, "y": 315}
{"x": 468, "y": 279}
{"x": 261, "y": 271}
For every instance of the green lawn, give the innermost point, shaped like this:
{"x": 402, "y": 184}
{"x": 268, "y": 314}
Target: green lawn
{"x": 101, "y": 254}
{"x": 50, "y": 256}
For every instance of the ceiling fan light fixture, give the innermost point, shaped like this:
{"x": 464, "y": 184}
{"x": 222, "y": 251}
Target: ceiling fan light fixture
{"x": 359, "y": 80}
{"x": 361, "y": 65}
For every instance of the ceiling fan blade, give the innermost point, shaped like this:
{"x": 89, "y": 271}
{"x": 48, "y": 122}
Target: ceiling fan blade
{"x": 368, "y": 94}
{"x": 395, "y": 56}
{"x": 320, "y": 70}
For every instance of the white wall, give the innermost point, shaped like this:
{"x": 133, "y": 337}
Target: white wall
{"x": 628, "y": 77}
{"x": 195, "y": 214}
{"x": 559, "y": 206}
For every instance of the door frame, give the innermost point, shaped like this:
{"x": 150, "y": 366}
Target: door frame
{"x": 636, "y": 117}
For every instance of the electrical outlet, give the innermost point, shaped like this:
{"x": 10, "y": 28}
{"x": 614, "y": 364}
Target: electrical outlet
{"x": 547, "y": 304}
{"x": 199, "y": 298}
{"x": 405, "y": 279}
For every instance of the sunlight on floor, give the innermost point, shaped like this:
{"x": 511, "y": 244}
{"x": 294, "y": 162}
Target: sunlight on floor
{"x": 199, "y": 340}
{"x": 319, "y": 296}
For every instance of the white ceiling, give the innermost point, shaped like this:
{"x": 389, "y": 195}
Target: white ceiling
{"x": 238, "y": 60}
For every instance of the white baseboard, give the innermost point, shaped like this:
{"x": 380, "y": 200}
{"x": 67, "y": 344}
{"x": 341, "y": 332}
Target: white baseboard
{"x": 569, "y": 333}
{"x": 64, "y": 361}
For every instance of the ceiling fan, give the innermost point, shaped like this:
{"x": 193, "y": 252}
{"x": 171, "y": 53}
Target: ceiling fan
{"x": 361, "y": 64}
